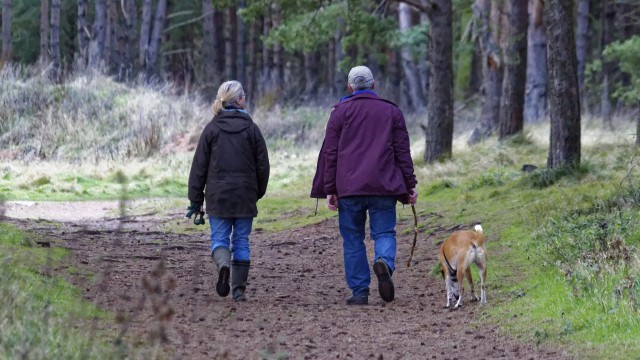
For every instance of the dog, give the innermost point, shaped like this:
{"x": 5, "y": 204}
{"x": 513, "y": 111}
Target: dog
{"x": 457, "y": 253}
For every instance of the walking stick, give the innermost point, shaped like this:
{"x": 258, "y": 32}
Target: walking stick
{"x": 415, "y": 234}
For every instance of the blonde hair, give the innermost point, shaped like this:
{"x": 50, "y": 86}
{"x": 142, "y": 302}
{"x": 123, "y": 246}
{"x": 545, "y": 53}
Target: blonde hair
{"x": 228, "y": 93}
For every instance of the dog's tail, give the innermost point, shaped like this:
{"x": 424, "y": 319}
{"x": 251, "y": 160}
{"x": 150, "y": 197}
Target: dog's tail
{"x": 479, "y": 235}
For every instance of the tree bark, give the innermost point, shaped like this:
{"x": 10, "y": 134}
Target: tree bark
{"x": 241, "y": 63}
{"x": 278, "y": 51}
{"x": 220, "y": 51}
{"x": 98, "y": 35}
{"x": 411, "y": 75}
{"x": 515, "y": 71}
{"x": 231, "y": 43}
{"x": 267, "y": 56}
{"x": 6, "y": 30}
{"x": 82, "y": 34}
{"x": 252, "y": 67}
{"x": 489, "y": 13}
{"x": 130, "y": 37}
{"x": 310, "y": 74}
{"x": 145, "y": 30}
{"x": 109, "y": 53}
{"x": 208, "y": 45}
{"x": 608, "y": 36}
{"x": 582, "y": 43}
{"x": 44, "y": 33}
{"x": 439, "y": 129}
{"x": 535, "y": 104}
{"x": 564, "y": 99}
{"x": 156, "y": 39}
{"x": 55, "y": 74}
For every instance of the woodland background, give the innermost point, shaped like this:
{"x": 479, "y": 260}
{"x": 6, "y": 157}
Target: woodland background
{"x": 513, "y": 60}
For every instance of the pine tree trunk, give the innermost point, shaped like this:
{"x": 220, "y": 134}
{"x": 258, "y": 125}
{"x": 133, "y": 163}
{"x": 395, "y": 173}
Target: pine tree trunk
{"x": 582, "y": 43}
{"x": 220, "y": 51}
{"x": 156, "y": 39}
{"x": 535, "y": 104}
{"x": 98, "y": 35}
{"x": 208, "y": 45}
{"x": 231, "y": 43}
{"x": 515, "y": 71}
{"x": 145, "y": 31}
{"x": 331, "y": 67}
{"x": 252, "y": 66}
{"x": 6, "y": 30}
{"x": 267, "y": 57}
{"x": 278, "y": 51}
{"x": 310, "y": 74}
{"x": 55, "y": 74}
{"x": 130, "y": 37}
{"x": 608, "y": 36}
{"x": 439, "y": 129}
{"x": 109, "y": 54}
{"x": 44, "y": 33}
{"x": 411, "y": 76}
{"x": 490, "y": 13}
{"x": 242, "y": 45}
{"x": 564, "y": 99}
{"x": 82, "y": 34}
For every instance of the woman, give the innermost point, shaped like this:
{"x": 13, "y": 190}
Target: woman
{"x": 230, "y": 170}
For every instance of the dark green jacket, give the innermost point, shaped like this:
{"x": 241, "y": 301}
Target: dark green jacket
{"x": 230, "y": 167}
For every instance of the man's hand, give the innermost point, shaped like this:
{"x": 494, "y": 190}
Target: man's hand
{"x": 413, "y": 196}
{"x": 332, "y": 202}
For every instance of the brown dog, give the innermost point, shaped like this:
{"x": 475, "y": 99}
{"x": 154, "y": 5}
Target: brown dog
{"x": 457, "y": 253}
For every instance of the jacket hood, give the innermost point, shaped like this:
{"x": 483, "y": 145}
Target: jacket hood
{"x": 232, "y": 121}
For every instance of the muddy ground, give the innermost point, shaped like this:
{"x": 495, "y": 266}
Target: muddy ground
{"x": 161, "y": 286}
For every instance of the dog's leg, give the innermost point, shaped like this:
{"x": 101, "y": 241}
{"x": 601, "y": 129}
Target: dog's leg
{"x": 447, "y": 284}
{"x": 460, "y": 276}
{"x": 470, "y": 281}
{"x": 483, "y": 279}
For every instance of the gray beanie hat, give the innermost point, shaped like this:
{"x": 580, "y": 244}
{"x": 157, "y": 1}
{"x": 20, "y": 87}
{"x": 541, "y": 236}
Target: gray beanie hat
{"x": 360, "y": 77}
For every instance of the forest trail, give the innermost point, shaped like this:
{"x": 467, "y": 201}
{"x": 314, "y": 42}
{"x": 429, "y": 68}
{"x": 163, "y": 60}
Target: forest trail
{"x": 161, "y": 285}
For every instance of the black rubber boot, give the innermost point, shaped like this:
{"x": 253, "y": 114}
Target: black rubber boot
{"x": 222, "y": 258}
{"x": 239, "y": 275}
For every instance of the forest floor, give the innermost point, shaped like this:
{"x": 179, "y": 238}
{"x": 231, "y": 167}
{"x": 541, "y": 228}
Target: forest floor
{"x": 161, "y": 287}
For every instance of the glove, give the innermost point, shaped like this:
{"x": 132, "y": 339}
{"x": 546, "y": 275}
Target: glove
{"x": 195, "y": 208}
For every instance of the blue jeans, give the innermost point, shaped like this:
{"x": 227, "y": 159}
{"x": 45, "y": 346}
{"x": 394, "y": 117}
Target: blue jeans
{"x": 221, "y": 231}
{"x": 352, "y": 215}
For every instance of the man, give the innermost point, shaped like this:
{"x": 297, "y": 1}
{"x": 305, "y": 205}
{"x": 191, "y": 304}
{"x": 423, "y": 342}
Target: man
{"x": 365, "y": 165}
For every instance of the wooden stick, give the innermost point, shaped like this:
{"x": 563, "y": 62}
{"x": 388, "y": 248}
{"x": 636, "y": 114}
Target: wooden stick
{"x": 415, "y": 234}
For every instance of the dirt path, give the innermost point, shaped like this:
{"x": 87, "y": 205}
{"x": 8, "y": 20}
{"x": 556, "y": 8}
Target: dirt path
{"x": 162, "y": 286}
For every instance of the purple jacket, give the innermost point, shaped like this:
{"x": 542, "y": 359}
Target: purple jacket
{"x": 365, "y": 151}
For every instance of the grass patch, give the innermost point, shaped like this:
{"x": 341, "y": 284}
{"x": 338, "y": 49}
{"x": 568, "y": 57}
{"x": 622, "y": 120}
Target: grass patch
{"x": 40, "y": 313}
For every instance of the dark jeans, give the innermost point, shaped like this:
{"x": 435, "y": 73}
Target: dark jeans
{"x": 352, "y": 216}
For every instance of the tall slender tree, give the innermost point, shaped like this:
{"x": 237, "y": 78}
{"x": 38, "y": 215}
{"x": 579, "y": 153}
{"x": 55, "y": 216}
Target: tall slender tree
{"x": 608, "y": 36}
{"x": 55, "y": 41}
{"x": 44, "y": 57}
{"x": 439, "y": 129}
{"x": 208, "y": 44}
{"x": 564, "y": 98}
{"x": 582, "y": 41}
{"x": 145, "y": 31}
{"x": 6, "y": 30}
{"x": 155, "y": 39}
{"x": 411, "y": 75}
{"x": 535, "y": 104}
{"x": 82, "y": 30}
{"x": 489, "y": 15}
{"x": 98, "y": 35}
{"x": 515, "y": 70}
